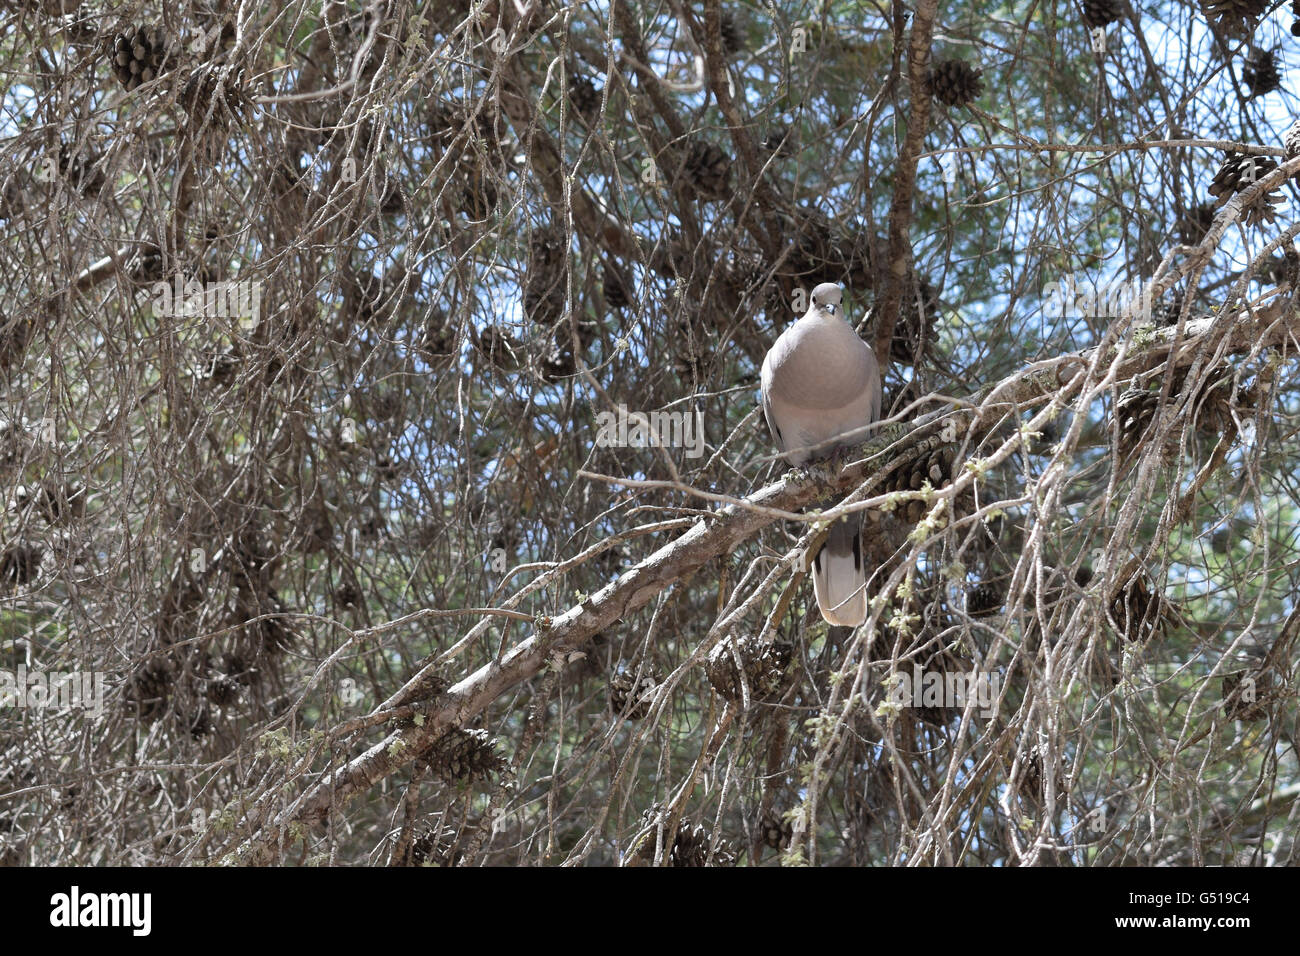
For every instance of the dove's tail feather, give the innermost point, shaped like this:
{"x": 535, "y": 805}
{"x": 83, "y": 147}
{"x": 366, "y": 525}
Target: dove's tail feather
{"x": 839, "y": 575}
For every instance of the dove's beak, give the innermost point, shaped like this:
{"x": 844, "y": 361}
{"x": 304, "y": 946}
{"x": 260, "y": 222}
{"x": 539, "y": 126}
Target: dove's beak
{"x": 830, "y": 308}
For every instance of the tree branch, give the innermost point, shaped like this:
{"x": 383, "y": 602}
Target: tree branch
{"x": 728, "y": 528}
{"x": 900, "y": 211}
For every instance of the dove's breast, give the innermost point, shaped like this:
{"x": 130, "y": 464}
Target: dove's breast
{"x": 820, "y": 383}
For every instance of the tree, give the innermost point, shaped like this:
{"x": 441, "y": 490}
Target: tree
{"x": 380, "y": 388}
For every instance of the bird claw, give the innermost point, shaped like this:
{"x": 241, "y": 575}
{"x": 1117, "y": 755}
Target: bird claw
{"x": 841, "y": 456}
{"x": 797, "y": 475}
{"x": 823, "y": 472}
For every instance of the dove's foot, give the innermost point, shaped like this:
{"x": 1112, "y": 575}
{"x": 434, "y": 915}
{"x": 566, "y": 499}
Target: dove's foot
{"x": 824, "y": 472}
{"x": 838, "y": 458}
{"x": 798, "y": 475}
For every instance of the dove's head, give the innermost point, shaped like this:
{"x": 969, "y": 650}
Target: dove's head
{"x": 826, "y": 298}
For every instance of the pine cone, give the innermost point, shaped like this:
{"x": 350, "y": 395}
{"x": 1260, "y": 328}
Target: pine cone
{"x": 955, "y": 82}
{"x": 437, "y": 339}
{"x": 630, "y": 697}
{"x": 1291, "y": 141}
{"x": 11, "y": 198}
{"x": 779, "y": 140}
{"x": 219, "y": 367}
{"x": 199, "y": 722}
{"x": 671, "y": 257}
{"x": 813, "y": 254}
{"x": 502, "y": 350}
{"x": 175, "y": 620}
{"x": 206, "y": 86}
{"x": 146, "y": 266}
{"x": 317, "y": 531}
{"x": 544, "y": 291}
{"x": 1030, "y": 784}
{"x": 616, "y": 287}
{"x": 1243, "y": 702}
{"x": 914, "y": 330}
{"x": 1134, "y": 412}
{"x": 776, "y": 830}
{"x": 149, "y": 689}
{"x": 478, "y": 146}
{"x": 392, "y": 200}
{"x": 271, "y": 632}
{"x": 16, "y": 335}
{"x": 432, "y": 845}
{"x": 465, "y": 129}
{"x": 1211, "y": 409}
{"x": 733, "y": 34}
{"x": 1237, "y": 174}
{"x": 583, "y": 96}
{"x": 62, "y": 501}
{"x": 1136, "y": 611}
{"x": 1195, "y": 223}
{"x": 766, "y": 667}
{"x": 746, "y": 278}
{"x": 51, "y": 8}
{"x": 689, "y": 846}
{"x": 693, "y": 350}
{"x": 368, "y": 296}
{"x": 464, "y": 756}
{"x": 987, "y": 597}
{"x": 478, "y": 194}
{"x": 286, "y": 177}
{"x": 1167, "y": 313}
{"x": 448, "y": 15}
{"x": 1260, "y": 73}
{"x": 19, "y": 563}
{"x": 823, "y": 250}
{"x": 221, "y": 689}
{"x": 83, "y": 173}
{"x": 238, "y": 669}
{"x": 258, "y": 613}
{"x": 559, "y": 361}
{"x": 1101, "y": 13}
{"x": 707, "y": 170}
{"x": 1235, "y": 15}
{"x": 141, "y": 55}
{"x": 936, "y": 467}
{"x": 385, "y": 406}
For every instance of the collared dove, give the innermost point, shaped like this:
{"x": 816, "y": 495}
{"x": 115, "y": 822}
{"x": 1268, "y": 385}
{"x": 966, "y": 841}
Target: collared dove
{"x": 821, "y": 389}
